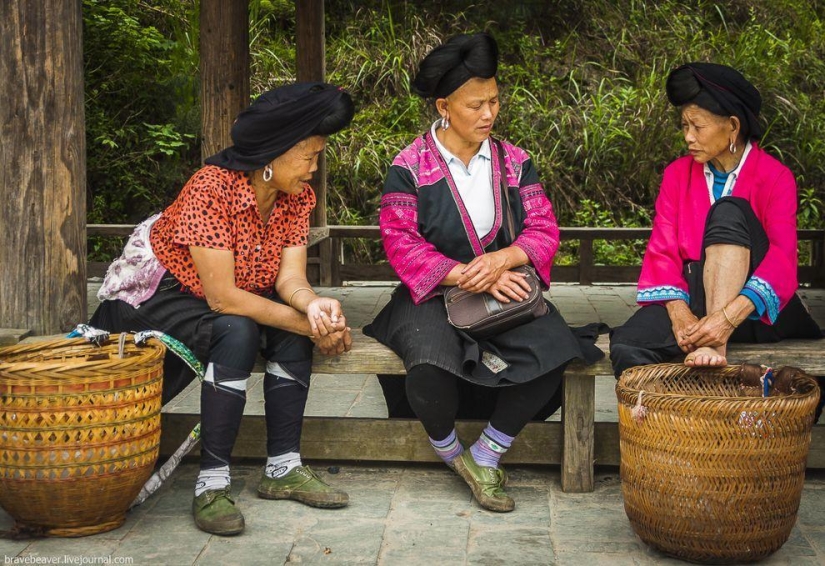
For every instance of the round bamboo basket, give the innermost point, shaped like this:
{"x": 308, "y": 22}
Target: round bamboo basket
{"x": 711, "y": 470}
{"x": 79, "y": 432}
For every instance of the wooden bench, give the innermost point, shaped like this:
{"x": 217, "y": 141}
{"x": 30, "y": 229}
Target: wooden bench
{"x": 577, "y": 443}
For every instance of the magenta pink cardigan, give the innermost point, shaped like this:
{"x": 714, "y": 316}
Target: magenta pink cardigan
{"x": 681, "y": 210}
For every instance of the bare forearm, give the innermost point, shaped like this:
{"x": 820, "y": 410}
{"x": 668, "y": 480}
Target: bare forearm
{"x": 738, "y": 310}
{"x": 454, "y": 275}
{"x": 676, "y": 307}
{"x": 261, "y": 310}
{"x": 296, "y": 292}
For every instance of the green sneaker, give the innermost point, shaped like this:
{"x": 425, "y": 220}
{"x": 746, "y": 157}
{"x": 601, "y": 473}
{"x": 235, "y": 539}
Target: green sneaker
{"x": 451, "y": 465}
{"x": 487, "y": 483}
{"x": 215, "y": 513}
{"x": 302, "y": 484}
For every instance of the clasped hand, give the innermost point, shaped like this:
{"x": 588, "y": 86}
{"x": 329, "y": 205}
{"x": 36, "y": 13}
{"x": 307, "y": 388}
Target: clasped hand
{"x": 712, "y": 330}
{"x": 488, "y": 273}
{"x": 691, "y": 332}
{"x": 329, "y": 326}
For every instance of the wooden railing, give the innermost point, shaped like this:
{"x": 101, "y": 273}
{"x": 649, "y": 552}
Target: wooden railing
{"x": 586, "y": 272}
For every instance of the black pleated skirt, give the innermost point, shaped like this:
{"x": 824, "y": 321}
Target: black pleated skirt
{"x": 421, "y": 334}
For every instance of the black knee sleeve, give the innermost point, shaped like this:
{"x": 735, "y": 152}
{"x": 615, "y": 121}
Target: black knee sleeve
{"x": 235, "y": 342}
{"x": 221, "y": 413}
{"x": 284, "y": 403}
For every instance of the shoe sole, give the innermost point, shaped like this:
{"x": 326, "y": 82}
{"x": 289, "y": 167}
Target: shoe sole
{"x": 273, "y": 495}
{"x": 224, "y": 532}
{"x": 489, "y": 503}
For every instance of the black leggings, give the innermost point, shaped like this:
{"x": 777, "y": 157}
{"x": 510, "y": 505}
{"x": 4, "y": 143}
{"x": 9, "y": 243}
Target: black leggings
{"x": 433, "y": 394}
{"x": 233, "y": 349}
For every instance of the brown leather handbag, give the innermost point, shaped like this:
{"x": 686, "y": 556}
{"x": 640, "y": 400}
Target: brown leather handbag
{"x": 480, "y": 314}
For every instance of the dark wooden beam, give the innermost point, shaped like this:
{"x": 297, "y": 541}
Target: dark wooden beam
{"x": 42, "y": 166}
{"x": 311, "y": 66}
{"x": 224, "y": 67}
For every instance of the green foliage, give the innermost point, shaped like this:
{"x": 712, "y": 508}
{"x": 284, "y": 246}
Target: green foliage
{"x": 606, "y": 252}
{"x": 582, "y": 86}
{"x": 141, "y": 110}
{"x": 811, "y": 209}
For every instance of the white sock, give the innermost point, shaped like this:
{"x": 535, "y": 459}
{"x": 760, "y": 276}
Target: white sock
{"x": 215, "y": 478}
{"x": 279, "y": 466}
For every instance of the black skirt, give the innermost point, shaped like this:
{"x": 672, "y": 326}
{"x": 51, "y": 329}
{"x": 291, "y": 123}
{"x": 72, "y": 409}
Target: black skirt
{"x": 171, "y": 311}
{"x": 421, "y": 334}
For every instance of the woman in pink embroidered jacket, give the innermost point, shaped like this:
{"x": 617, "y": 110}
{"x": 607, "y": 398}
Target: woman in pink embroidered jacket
{"x": 721, "y": 264}
{"x": 441, "y": 224}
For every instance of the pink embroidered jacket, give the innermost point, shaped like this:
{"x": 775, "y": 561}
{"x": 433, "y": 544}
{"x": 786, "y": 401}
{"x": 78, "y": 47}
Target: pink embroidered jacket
{"x": 425, "y": 227}
{"x": 681, "y": 210}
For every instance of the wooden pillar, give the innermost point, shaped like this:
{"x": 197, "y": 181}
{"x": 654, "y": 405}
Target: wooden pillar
{"x": 42, "y": 166}
{"x": 311, "y": 66}
{"x": 224, "y": 67}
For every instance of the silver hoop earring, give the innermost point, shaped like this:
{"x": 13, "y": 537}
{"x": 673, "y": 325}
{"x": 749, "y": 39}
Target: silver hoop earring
{"x": 267, "y": 176}
{"x": 732, "y": 147}
{"x": 445, "y": 123}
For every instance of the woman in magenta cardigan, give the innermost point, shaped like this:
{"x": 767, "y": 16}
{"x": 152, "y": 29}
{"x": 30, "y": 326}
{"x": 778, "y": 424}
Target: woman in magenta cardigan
{"x": 721, "y": 264}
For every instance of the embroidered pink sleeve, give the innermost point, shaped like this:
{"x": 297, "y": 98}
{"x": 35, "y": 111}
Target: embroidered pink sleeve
{"x": 417, "y": 262}
{"x": 540, "y": 237}
{"x": 661, "y": 278}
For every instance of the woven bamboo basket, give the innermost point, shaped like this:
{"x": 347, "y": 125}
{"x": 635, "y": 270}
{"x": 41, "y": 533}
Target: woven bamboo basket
{"x": 711, "y": 470}
{"x": 79, "y": 432}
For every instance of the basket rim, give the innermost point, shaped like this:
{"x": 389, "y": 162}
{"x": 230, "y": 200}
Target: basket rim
{"x": 661, "y": 395}
{"x": 145, "y": 352}
{"x": 623, "y": 389}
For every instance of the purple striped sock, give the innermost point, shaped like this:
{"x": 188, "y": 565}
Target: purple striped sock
{"x": 449, "y": 448}
{"x": 490, "y": 447}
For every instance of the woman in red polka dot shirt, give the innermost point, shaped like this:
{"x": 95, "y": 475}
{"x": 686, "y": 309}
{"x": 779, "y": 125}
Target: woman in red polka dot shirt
{"x": 223, "y": 270}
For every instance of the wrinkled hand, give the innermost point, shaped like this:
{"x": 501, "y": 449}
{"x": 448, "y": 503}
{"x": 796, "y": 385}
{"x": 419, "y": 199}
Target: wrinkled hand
{"x": 334, "y": 343}
{"x": 325, "y": 316}
{"x": 482, "y": 272}
{"x": 713, "y": 330}
{"x": 510, "y": 286}
{"x": 681, "y": 320}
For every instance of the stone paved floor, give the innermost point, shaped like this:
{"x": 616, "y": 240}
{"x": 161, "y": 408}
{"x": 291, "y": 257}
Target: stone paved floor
{"x": 399, "y": 515}
{"x": 406, "y": 515}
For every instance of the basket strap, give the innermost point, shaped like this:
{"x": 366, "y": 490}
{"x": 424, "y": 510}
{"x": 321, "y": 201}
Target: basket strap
{"x": 94, "y": 335}
{"x": 767, "y": 380}
{"x": 177, "y": 347}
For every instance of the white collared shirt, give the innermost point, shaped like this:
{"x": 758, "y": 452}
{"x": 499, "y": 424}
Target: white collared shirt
{"x": 474, "y": 183}
{"x": 731, "y": 176}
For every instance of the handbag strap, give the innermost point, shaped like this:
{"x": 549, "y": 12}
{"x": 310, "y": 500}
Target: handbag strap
{"x": 505, "y": 194}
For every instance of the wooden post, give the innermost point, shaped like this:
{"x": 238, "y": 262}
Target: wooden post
{"x": 224, "y": 66}
{"x": 42, "y": 166}
{"x": 578, "y": 418}
{"x": 586, "y": 261}
{"x": 311, "y": 66}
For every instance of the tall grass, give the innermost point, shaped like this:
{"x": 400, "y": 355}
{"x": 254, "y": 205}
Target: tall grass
{"x": 582, "y": 84}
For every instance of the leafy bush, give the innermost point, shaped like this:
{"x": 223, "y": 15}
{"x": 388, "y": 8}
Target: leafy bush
{"x": 582, "y": 86}
{"x": 141, "y": 138}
